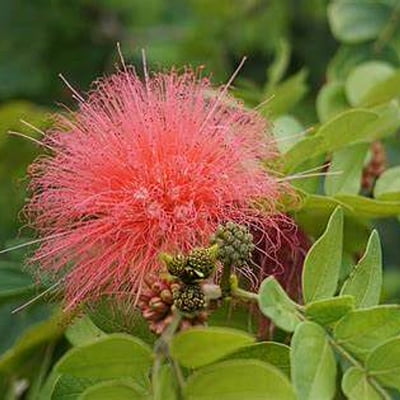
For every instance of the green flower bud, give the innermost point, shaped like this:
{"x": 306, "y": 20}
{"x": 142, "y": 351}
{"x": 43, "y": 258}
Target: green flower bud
{"x": 176, "y": 265}
{"x": 200, "y": 264}
{"x": 235, "y": 244}
{"x": 190, "y": 299}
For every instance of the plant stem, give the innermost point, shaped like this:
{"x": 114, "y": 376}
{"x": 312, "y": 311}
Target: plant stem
{"x": 244, "y": 294}
{"x": 161, "y": 349}
{"x": 226, "y": 280}
{"x": 236, "y": 291}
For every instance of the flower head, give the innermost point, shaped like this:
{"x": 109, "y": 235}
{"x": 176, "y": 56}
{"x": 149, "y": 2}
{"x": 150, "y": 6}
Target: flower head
{"x": 144, "y": 167}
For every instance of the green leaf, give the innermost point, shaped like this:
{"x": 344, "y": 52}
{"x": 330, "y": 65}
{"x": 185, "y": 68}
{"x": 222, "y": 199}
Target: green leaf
{"x": 313, "y": 363}
{"x": 348, "y": 57}
{"x": 34, "y": 337}
{"x": 346, "y": 168}
{"x": 355, "y": 22}
{"x": 287, "y": 94}
{"x": 113, "y": 356}
{"x": 309, "y": 147}
{"x": 323, "y": 261}
{"x": 387, "y": 187}
{"x": 287, "y": 131}
{"x": 328, "y": 311}
{"x": 370, "y": 208}
{"x": 47, "y": 388}
{"x": 365, "y": 77}
{"x": 384, "y": 91}
{"x": 13, "y": 281}
{"x": 281, "y": 62}
{"x": 390, "y": 286}
{"x": 360, "y": 331}
{"x": 346, "y": 128}
{"x": 117, "y": 316}
{"x": 386, "y": 124}
{"x": 355, "y": 386}
{"x": 312, "y": 183}
{"x": 275, "y": 304}
{"x": 196, "y": 347}
{"x": 165, "y": 387}
{"x": 239, "y": 380}
{"x": 114, "y": 390}
{"x": 69, "y": 387}
{"x": 352, "y": 126}
{"x": 384, "y": 363}
{"x": 232, "y": 314}
{"x": 314, "y": 214}
{"x": 83, "y": 331}
{"x": 273, "y": 353}
{"x": 365, "y": 281}
{"x": 348, "y": 263}
{"x": 331, "y": 100}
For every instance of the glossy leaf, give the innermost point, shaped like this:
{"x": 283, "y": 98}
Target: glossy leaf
{"x": 360, "y": 331}
{"x": 355, "y": 386}
{"x": 328, "y": 311}
{"x": 201, "y": 346}
{"x": 365, "y": 281}
{"x": 313, "y": 364}
{"x": 238, "y": 380}
{"x": 323, "y": 261}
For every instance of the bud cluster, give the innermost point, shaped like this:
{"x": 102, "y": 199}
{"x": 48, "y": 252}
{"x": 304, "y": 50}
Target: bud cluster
{"x": 232, "y": 245}
{"x": 235, "y": 244}
{"x": 198, "y": 265}
{"x": 190, "y": 298}
{"x": 158, "y": 298}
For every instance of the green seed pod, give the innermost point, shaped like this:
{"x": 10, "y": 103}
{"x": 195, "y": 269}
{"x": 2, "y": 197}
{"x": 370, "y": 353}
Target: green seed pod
{"x": 190, "y": 299}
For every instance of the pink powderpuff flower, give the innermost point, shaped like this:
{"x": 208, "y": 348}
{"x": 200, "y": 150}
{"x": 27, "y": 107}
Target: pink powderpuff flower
{"x": 144, "y": 167}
